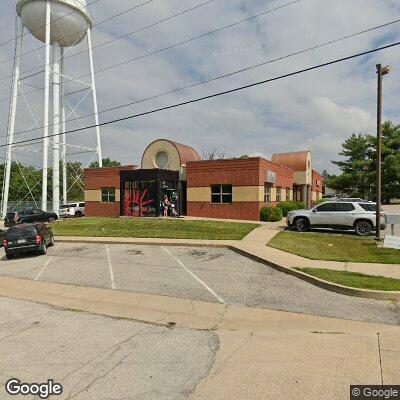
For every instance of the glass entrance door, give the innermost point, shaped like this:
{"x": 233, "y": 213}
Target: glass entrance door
{"x": 140, "y": 199}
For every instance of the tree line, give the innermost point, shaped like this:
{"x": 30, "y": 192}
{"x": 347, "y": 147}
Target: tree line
{"x": 26, "y": 181}
{"x": 359, "y": 167}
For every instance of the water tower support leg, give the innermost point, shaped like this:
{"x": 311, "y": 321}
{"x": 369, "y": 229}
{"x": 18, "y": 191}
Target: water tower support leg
{"x": 56, "y": 127}
{"x": 46, "y": 109}
{"x": 63, "y": 129}
{"x": 13, "y": 110}
{"x": 94, "y": 94}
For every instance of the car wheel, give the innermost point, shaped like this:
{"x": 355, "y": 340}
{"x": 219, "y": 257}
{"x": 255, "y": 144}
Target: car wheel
{"x": 363, "y": 228}
{"x": 43, "y": 248}
{"x": 9, "y": 256}
{"x": 302, "y": 225}
{"x": 79, "y": 214}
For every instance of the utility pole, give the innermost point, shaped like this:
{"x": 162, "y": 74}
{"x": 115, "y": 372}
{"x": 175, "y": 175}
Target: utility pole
{"x": 381, "y": 71}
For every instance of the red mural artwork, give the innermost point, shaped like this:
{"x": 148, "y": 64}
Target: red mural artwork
{"x": 135, "y": 203}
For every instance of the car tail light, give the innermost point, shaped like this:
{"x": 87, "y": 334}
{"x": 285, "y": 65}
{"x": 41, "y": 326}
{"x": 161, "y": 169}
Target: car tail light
{"x": 5, "y": 242}
{"x": 38, "y": 239}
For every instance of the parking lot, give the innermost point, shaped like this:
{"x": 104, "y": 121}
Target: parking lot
{"x": 207, "y": 274}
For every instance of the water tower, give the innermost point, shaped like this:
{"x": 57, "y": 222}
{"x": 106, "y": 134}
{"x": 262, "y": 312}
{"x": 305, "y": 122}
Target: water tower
{"x": 60, "y": 25}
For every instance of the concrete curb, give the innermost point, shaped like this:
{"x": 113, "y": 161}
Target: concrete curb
{"x": 333, "y": 287}
{"x": 155, "y": 242}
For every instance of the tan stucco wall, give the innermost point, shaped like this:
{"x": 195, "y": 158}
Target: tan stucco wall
{"x": 174, "y": 161}
{"x": 304, "y": 177}
{"x": 95, "y": 195}
{"x": 283, "y": 194}
{"x": 248, "y": 193}
{"x": 313, "y": 196}
{"x": 290, "y": 194}
{"x": 239, "y": 194}
{"x": 199, "y": 194}
{"x": 92, "y": 195}
{"x": 273, "y": 194}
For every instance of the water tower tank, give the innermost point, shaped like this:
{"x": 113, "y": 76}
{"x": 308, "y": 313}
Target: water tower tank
{"x": 70, "y": 20}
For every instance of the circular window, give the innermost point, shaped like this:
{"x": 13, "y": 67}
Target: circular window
{"x": 161, "y": 160}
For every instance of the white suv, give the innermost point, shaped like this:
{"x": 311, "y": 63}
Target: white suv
{"x": 357, "y": 215}
{"x": 72, "y": 210}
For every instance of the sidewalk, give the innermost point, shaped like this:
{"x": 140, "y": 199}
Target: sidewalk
{"x": 256, "y": 243}
{"x": 262, "y": 353}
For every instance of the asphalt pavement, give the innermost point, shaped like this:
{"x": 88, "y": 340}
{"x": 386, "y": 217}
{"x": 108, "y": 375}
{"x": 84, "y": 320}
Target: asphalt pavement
{"x": 207, "y": 274}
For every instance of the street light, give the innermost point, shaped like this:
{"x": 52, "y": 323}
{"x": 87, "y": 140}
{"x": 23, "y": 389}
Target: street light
{"x": 381, "y": 71}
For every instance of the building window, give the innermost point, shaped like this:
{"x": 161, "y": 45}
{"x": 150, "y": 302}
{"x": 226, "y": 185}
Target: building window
{"x": 108, "y": 195}
{"x": 221, "y": 194}
{"x": 318, "y": 183}
{"x": 278, "y": 194}
{"x": 161, "y": 160}
{"x": 267, "y": 193}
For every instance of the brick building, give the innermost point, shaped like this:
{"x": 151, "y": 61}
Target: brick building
{"x": 231, "y": 188}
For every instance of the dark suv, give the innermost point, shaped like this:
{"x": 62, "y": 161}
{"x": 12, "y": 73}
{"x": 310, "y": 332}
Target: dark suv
{"x": 27, "y": 239}
{"x": 28, "y": 216}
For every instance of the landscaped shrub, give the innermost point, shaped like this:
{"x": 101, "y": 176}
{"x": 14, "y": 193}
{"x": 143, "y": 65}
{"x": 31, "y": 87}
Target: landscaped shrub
{"x": 287, "y": 206}
{"x": 271, "y": 214}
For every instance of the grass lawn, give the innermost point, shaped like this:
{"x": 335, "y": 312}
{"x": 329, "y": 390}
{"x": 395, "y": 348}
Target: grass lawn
{"x": 152, "y": 228}
{"x": 354, "y": 279}
{"x": 334, "y": 247}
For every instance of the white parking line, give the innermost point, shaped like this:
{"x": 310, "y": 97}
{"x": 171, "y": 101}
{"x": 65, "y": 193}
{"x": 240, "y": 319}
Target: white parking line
{"x": 45, "y": 265}
{"x": 110, "y": 267}
{"x": 221, "y": 300}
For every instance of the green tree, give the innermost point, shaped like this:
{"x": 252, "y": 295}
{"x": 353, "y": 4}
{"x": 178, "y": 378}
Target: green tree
{"x": 107, "y": 162}
{"x": 356, "y": 178}
{"x": 390, "y": 160}
{"x": 358, "y": 167}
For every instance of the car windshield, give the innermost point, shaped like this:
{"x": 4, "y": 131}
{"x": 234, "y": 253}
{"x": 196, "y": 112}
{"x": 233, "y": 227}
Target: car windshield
{"x": 20, "y": 231}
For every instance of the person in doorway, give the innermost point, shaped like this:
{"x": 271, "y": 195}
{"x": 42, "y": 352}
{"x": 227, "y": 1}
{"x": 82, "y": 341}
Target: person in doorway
{"x": 174, "y": 213}
{"x": 166, "y": 204}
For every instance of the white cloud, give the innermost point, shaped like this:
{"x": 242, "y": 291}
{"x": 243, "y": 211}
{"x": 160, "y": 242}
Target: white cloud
{"x": 316, "y": 110}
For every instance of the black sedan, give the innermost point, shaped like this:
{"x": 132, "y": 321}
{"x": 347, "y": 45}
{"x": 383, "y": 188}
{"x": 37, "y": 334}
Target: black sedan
{"x": 30, "y": 238}
{"x": 28, "y": 216}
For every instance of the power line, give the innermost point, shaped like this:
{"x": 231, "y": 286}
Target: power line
{"x": 75, "y": 33}
{"x": 42, "y": 26}
{"x": 188, "y": 40}
{"x": 298, "y": 72}
{"x": 270, "y": 61}
{"x": 172, "y": 46}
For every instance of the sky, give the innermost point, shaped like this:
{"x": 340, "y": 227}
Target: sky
{"x": 314, "y": 111}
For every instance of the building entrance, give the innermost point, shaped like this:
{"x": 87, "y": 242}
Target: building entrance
{"x": 142, "y": 192}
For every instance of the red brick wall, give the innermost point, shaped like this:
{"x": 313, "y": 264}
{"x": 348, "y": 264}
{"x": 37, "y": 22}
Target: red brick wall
{"x": 242, "y": 210}
{"x": 237, "y": 172}
{"x": 240, "y": 172}
{"x": 284, "y": 175}
{"x": 97, "y": 178}
{"x": 316, "y": 176}
{"x": 99, "y": 209}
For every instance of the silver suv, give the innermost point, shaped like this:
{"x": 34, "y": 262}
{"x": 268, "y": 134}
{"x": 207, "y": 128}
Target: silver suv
{"x": 72, "y": 210}
{"x": 357, "y": 215}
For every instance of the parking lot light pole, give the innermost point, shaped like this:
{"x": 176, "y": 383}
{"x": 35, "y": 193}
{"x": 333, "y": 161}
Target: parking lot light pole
{"x": 381, "y": 71}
